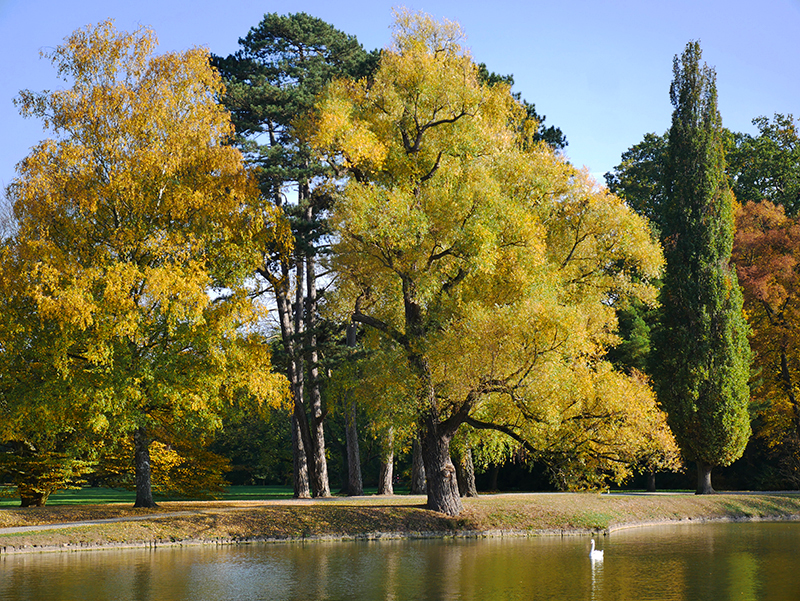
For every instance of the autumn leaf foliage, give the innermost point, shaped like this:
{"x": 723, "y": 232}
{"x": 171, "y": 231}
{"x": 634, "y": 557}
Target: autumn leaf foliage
{"x": 766, "y": 252}
{"x": 135, "y": 239}
{"x": 488, "y": 263}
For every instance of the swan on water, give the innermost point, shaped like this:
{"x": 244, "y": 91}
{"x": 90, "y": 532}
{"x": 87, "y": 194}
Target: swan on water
{"x": 598, "y": 555}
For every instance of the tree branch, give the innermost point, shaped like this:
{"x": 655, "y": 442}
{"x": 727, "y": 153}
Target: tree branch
{"x": 382, "y": 326}
{"x": 479, "y": 425}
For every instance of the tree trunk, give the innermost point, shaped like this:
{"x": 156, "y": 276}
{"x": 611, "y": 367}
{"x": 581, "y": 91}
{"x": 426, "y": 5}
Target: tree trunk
{"x": 435, "y": 433}
{"x": 32, "y": 498}
{"x": 494, "y": 473}
{"x": 307, "y": 431}
{"x": 465, "y": 474}
{"x": 442, "y": 485}
{"x": 704, "y": 479}
{"x": 290, "y": 323}
{"x": 302, "y": 488}
{"x": 385, "y": 486}
{"x": 297, "y": 322}
{"x": 418, "y": 481}
{"x": 320, "y": 484}
{"x": 319, "y": 473}
{"x": 355, "y": 485}
{"x": 141, "y": 451}
{"x": 651, "y": 481}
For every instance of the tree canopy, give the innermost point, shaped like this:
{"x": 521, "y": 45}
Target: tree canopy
{"x": 639, "y": 178}
{"x": 283, "y": 63}
{"x": 486, "y": 261}
{"x": 128, "y": 271}
{"x": 766, "y": 253}
{"x": 767, "y": 166}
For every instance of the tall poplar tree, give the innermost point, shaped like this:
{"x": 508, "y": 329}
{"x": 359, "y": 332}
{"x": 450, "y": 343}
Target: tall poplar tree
{"x": 701, "y": 353}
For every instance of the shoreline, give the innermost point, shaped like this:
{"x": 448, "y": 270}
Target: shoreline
{"x": 68, "y": 528}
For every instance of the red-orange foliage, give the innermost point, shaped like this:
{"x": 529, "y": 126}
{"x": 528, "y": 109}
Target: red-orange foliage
{"x": 766, "y": 252}
{"x": 767, "y": 256}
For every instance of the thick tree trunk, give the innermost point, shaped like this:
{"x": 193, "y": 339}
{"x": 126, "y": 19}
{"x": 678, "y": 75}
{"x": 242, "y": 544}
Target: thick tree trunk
{"x": 32, "y": 498}
{"x": 465, "y": 474}
{"x": 385, "y": 486}
{"x": 704, "y": 479}
{"x": 442, "y": 485}
{"x": 141, "y": 451}
{"x": 355, "y": 486}
{"x": 651, "y": 481}
{"x": 435, "y": 432}
{"x": 418, "y": 481}
{"x": 320, "y": 484}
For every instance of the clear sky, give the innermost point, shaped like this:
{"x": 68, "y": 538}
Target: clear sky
{"x": 600, "y": 70}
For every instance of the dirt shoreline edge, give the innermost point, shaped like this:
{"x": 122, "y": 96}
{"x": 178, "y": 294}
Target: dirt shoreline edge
{"x": 372, "y": 519}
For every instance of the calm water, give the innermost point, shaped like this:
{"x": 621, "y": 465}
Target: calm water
{"x": 695, "y": 563}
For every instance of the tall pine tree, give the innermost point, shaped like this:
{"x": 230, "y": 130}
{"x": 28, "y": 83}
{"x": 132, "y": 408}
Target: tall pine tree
{"x": 272, "y": 80}
{"x": 701, "y": 353}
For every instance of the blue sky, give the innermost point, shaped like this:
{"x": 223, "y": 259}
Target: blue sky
{"x": 599, "y": 70}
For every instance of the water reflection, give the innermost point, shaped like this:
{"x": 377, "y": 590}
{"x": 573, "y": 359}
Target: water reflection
{"x": 726, "y": 561}
{"x": 597, "y": 578}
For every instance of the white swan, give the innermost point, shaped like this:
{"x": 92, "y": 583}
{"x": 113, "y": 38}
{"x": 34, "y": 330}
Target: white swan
{"x": 595, "y": 555}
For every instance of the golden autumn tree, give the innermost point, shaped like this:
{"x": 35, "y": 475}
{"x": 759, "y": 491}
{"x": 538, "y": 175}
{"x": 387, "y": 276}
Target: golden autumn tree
{"x": 133, "y": 248}
{"x": 487, "y": 262}
{"x": 44, "y": 446}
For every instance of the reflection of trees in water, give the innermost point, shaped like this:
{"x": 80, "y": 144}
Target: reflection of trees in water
{"x": 742, "y": 561}
{"x": 699, "y": 562}
{"x": 496, "y": 568}
{"x": 142, "y": 576}
{"x": 743, "y": 577}
{"x": 434, "y": 569}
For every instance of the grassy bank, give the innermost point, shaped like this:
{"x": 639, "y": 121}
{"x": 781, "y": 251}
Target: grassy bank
{"x": 222, "y": 522}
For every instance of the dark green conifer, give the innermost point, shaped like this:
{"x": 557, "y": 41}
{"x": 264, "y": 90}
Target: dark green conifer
{"x": 701, "y": 352}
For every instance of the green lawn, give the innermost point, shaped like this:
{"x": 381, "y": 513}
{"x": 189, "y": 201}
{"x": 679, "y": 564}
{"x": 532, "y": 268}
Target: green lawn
{"x": 94, "y": 496}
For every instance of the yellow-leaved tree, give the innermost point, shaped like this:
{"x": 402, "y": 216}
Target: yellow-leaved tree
{"x": 135, "y": 238}
{"x": 488, "y": 263}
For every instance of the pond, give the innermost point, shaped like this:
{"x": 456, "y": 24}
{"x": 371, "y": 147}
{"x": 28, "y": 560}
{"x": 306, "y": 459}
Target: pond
{"x": 682, "y": 562}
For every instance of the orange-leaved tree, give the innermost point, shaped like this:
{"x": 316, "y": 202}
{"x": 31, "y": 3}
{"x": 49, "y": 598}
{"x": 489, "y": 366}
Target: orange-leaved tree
{"x": 766, "y": 252}
{"x": 137, "y": 232}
